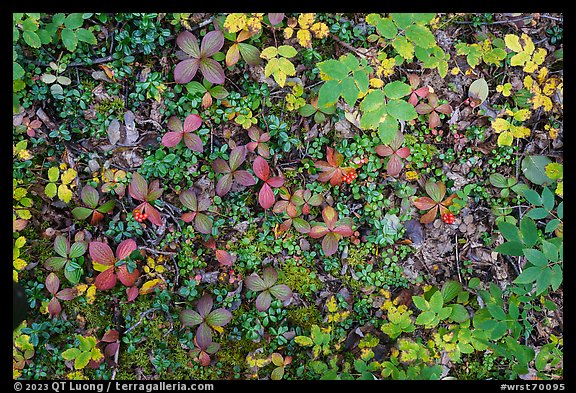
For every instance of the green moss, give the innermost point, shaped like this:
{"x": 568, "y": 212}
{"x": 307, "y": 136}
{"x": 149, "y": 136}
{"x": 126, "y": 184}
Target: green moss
{"x": 304, "y": 317}
{"x": 112, "y": 106}
{"x": 299, "y": 278}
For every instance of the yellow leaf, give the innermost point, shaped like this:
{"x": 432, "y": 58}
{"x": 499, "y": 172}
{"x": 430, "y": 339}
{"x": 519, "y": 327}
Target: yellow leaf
{"x": 455, "y": 71}
{"x": 513, "y": 42}
{"x": 254, "y": 25}
{"x": 288, "y": 32}
{"x": 550, "y": 86}
{"x": 81, "y": 288}
{"x": 100, "y": 267}
{"x": 91, "y": 294}
{"x": 505, "y": 139}
{"x": 24, "y": 155}
{"x": 280, "y": 78}
{"x": 305, "y": 20}
{"x": 320, "y": 30}
{"x": 522, "y": 115}
{"x": 148, "y": 286}
{"x": 331, "y": 304}
{"x": 519, "y": 131}
{"x": 160, "y": 269}
{"x": 235, "y": 22}
{"x": 540, "y": 100}
{"x": 500, "y": 125}
{"x": 14, "y": 276}
{"x": 529, "y": 67}
{"x": 19, "y": 264}
{"x": 68, "y": 176}
{"x": 539, "y": 56}
{"x": 376, "y": 83}
{"x": 528, "y": 82}
{"x": 304, "y": 38}
{"x": 63, "y": 166}
{"x": 560, "y": 189}
{"x": 519, "y": 59}
{"x": 64, "y": 193}
{"x": 528, "y": 44}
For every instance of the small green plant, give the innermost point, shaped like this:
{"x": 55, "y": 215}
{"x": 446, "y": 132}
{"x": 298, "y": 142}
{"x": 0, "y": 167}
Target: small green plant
{"x": 208, "y": 91}
{"x": 280, "y": 362}
{"x": 278, "y": 64}
{"x": 90, "y": 197}
{"x": 84, "y": 353}
{"x": 318, "y": 340}
{"x": 346, "y": 77}
{"x": 56, "y": 81}
{"x": 69, "y": 258}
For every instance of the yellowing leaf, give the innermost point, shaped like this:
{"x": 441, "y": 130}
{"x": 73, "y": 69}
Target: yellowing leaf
{"x": 540, "y": 100}
{"x": 304, "y": 38}
{"x": 505, "y": 139}
{"x": 528, "y": 44}
{"x": 100, "y": 267}
{"x": 530, "y": 67}
{"x": 331, "y": 304}
{"x": 19, "y": 264}
{"x": 68, "y": 176}
{"x": 24, "y": 155}
{"x": 500, "y": 125}
{"x": 254, "y": 25}
{"x": 269, "y": 53}
{"x": 305, "y": 20}
{"x": 257, "y": 362}
{"x": 522, "y": 115}
{"x": 376, "y": 83}
{"x": 64, "y": 193}
{"x": 288, "y": 32}
{"x": 91, "y": 294}
{"x": 519, "y": 59}
{"x": 528, "y": 82}
{"x": 148, "y": 286}
{"x": 560, "y": 189}
{"x": 53, "y": 174}
{"x": 19, "y": 243}
{"x": 219, "y": 329}
{"x": 81, "y": 288}
{"x": 519, "y": 131}
{"x": 14, "y": 276}
{"x": 320, "y": 30}
{"x": 235, "y": 22}
{"x": 539, "y": 56}
{"x": 513, "y": 42}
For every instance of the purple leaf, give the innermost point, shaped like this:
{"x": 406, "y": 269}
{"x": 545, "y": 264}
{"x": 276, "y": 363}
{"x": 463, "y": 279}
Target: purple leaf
{"x": 263, "y": 301}
{"x": 192, "y": 123}
{"x": 254, "y": 283}
{"x": 394, "y": 166}
{"x": 52, "y": 283}
{"x": 190, "y": 318}
{"x": 204, "y": 335}
{"x": 188, "y": 199}
{"x": 219, "y": 317}
{"x": 67, "y": 294}
{"x": 224, "y": 184}
{"x": 54, "y": 307}
{"x": 244, "y": 178}
{"x": 330, "y": 244}
{"x": 185, "y": 70}
{"x": 281, "y": 292}
{"x": 212, "y": 71}
{"x": 269, "y": 276}
{"x": 193, "y": 142}
{"x": 188, "y": 43}
{"x": 211, "y": 43}
{"x": 220, "y": 166}
{"x": 275, "y": 18}
{"x": 237, "y": 157}
{"x": 205, "y": 305}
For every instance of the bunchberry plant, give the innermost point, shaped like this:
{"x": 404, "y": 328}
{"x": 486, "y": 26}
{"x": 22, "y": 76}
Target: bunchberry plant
{"x": 199, "y": 57}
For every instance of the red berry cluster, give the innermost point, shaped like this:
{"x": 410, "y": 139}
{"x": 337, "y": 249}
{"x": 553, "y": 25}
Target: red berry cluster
{"x": 349, "y": 177}
{"x": 448, "y": 218}
{"x": 139, "y": 216}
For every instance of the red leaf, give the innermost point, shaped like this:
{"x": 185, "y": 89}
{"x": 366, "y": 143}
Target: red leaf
{"x": 280, "y": 206}
{"x": 445, "y": 109}
{"x": 111, "y": 335}
{"x": 54, "y": 307}
{"x": 125, "y": 248}
{"x": 384, "y": 150}
{"x": 153, "y": 215}
{"x": 266, "y": 197}
{"x": 111, "y": 349}
{"x": 424, "y": 203}
{"x": 101, "y": 253}
{"x": 106, "y": 280}
{"x": 127, "y": 278}
{"x": 204, "y": 359}
{"x": 67, "y": 294}
{"x": 430, "y": 216}
{"x": 434, "y": 120}
{"x": 193, "y": 142}
{"x": 138, "y": 187}
{"x": 336, "y": 178}
{"x": 276, "y": 181}
{"x": 224, "y": 257}
{"x": 188, "y": 217}
{"x": 52, "y": 283}
{"x": 261, "y": 168}
{"x": 171, "y": 139}
{"x": 318, "y": 231}
{"x": 96, "y": 217}
{"x": 394, "y": 166}
{"x": 175, "y": 124}
{"x": 244, "y": 178}
{"x": 423, "y": 108}
{"x": 185, "y": 70}
{"x": 422, "y": 92}
{"x": 131, "y": 293}
{"x": 192, "y": 123}
{"x": 344, "y": 230}
{"x": 251, "y": 146}
{"x": 403, "y": 152}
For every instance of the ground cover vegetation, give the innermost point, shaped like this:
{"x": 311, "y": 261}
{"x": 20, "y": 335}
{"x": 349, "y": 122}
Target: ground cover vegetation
{"x": 292, "y": 196}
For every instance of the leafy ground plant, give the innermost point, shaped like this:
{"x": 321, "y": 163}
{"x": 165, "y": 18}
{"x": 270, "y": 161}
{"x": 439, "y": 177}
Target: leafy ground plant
{"x": 67, "y": 258}
{"x": 261, "y": 169}
{"x": 202, "y": 222}
{"x": 267, "y": 287}
{"x": 139, "y": 190}
{"x": 206, "y": 319}
{"x": 435, "y": 202}
{"x": 90, "y": 197}
{"x": 331, "y": 230}
{"x": 179, "y": 132}
{"x": 231, "y": 172}
{"x": 199, "y": 57}
{"x": 113, "y": 267}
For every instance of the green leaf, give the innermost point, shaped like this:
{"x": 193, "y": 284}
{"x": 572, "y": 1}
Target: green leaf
{"x": 421, "y": 303}
{"x": 349, "y": 91}
{"x": 86, "y": 35}
{"x": 450, "y": 290}
{"x": 552, "y": 225}
{"x": 547, "y": 199}
{"x": 329, "y": 93}
{"x": 499, "y": 330}
{"x": 560, "y": 210}
{"x": 106, "y": 207}
{"x": 498, "y": 180}
{"x": 401, "y": 110}
{"x": 533, "y": 168}
{"x": 17, "y": 71}
{"x": 550, "y": 251}
{"x": 82, "y": 360}
{"x": 361, "y": 78}
{"x": 71, "y": 354}
{"x": 384, "y": 26}
{"x": 436, "y": 302}
{"x": 50, "y": 190}
{"x": 403, "y": 47}
{"x": 287, "y": 51}
{"x": 536, "y": 257}
{"x": 510, "y": 248}
{"x": 334, "y": 69}
{"x": 528, "y": 275}
{"x": 544, "y": 280}
{"x": 421, "y": 36}
{"x": 307, "y": 110}
{"x": 537, "y": 213}
{"x": 509, "y": 231}
{"x": 387, "y": 129}
{"x": 397, "y": 89}
{"x": 81, "y": 213}
{"x": 32, "y": 39}
{"x": 74, "y": 21}
{"x": 496, "y": 312}
{"x": 69, "y": 39}
{"x": 528, "y": 231}
{"x": 556, "y": 279}
{"x": 459, "y": 313}
{"x": 426, "y": 318}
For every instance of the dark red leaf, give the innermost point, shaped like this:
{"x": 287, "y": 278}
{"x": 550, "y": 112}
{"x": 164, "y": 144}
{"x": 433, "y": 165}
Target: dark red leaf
{"x": 224, "y": 184}
{"x": 224, "y": 258}
{"x": 261, "y": 168}
{"x": 131, "y": 293}
{"x": 127, "y": 278}
{"x": 111, "y": 335}
{"x": 266, "y": 197}
{"x": 67, "y": 294}
{"x": 101, "y": 253}
{"x": 106, "y": 280}
{"x": 54, "y": 307}
{"x": 394, "y": 166}
{"x": 153, "y": 215}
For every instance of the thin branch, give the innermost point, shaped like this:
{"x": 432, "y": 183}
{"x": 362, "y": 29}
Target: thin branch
{"x": 498, "y": 22}
{"x": 347, "y": 46}
{"x": 143, "y": 314}
{"x": 546, "y": 16}
{"x": 153, "y": 251}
